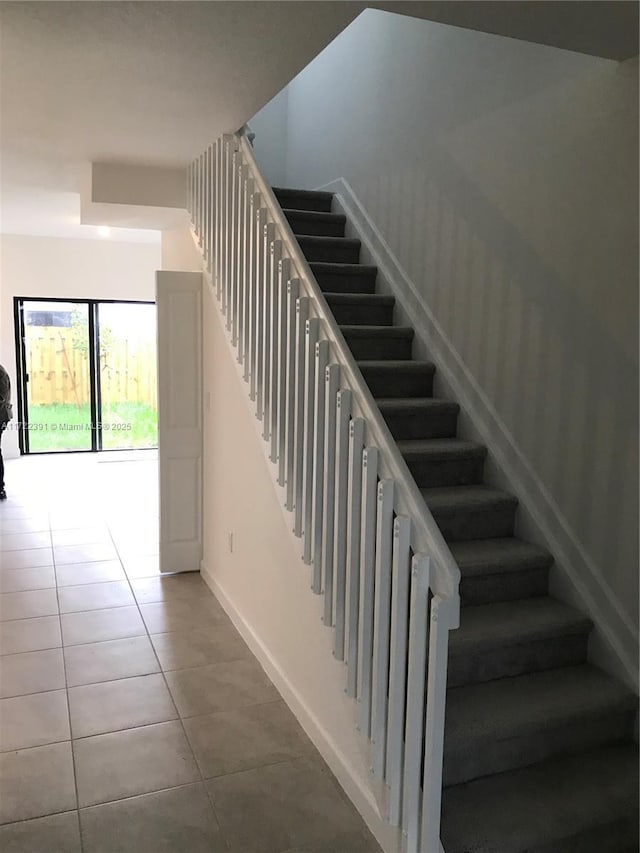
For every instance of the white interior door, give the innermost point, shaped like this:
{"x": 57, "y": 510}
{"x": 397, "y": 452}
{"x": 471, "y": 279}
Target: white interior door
{"x": 179, "y": 303}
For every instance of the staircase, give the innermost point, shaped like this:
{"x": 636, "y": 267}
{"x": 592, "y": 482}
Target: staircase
{"x": 538, "y": 752}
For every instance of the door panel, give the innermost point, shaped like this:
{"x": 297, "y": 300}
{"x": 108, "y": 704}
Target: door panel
{"x": 178, "y": 299}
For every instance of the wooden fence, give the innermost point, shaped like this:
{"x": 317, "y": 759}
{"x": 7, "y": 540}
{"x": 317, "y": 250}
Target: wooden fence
{"x": 59, "y": 373}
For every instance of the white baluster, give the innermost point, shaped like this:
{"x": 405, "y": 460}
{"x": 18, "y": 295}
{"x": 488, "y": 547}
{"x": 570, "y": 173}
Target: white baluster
{"x": 284, "y": 274}
{"x": 311, "y": 338}
{"x": 235, "y": 248}
{"x": 206, "y": 213}
{"x": 261, "y": 256}
{"x": 381, "y": 626}
{"x": 219, "y": 264}
{"x": 340, "y": 523}
{"x": 213, "y": 222}
{"x": 414, "y": 726}
{"x": 302, "y": 315}
{"x": 226, "y": 235}
{"x": 248, "y": 282}
{"x": 268, "y": 236}
{"x": 434, "y": 726}
{"x": 367, "y": 586}
{"x": 354, "y": 510}
{"x": 272, "y": 284}
{"x": 398, "y": 661}
{"x": 322, "y": 360}
{"x": 293, "y": 289}
{"x": 332, "y": 378}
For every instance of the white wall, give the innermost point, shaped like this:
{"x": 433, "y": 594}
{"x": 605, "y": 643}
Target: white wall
{"x": 503, "y": 176}
{"x": 49, "y": 267}
{"x": 179, "y": 251}
{"x": 270, "y": 128}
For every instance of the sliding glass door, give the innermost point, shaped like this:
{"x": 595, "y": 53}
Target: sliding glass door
{"x": 128, "y": 384}
{"x": 86, "y": 375}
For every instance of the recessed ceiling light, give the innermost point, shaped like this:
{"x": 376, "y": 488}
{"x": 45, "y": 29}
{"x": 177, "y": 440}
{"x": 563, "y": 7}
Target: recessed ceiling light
{"x": 104, "y": 230}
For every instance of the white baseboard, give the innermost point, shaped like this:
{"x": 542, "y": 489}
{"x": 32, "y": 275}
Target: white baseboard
{"x": 576, "y": 578}
{"x": 360, "y": 795}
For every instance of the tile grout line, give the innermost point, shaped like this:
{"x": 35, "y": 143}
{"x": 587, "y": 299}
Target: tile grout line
{"x": 161, "y": 671}
{"x": 180, "y": 719}
{"x": 66, "y": 687}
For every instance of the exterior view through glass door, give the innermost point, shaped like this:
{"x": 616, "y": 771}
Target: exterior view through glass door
{"x": 128, "y": 398}
{"x": 86, "y": 375}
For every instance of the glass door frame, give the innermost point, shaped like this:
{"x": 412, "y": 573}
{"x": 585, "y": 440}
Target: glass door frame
{"x": 95, "y": 389}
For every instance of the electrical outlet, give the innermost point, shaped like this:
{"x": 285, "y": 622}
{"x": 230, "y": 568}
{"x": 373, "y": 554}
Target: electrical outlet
{"x": 230, "y": 542}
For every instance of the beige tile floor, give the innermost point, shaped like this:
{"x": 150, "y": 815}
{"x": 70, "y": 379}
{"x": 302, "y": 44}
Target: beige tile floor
{"x": 133, "y": 717}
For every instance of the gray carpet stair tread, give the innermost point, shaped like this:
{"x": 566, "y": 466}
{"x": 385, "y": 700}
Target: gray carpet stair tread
{"x": 413, "y": 404}
{"x": 404, "y": 332}
{"x": 486, "y": 626}
{"x": 498, "y": 556}
{"x": 395, "y": 366}
{"x": 342, "y": 269}
{"x": 541, "y": 806}
{"x": 446, "y": 499}
{"x": 315, "y": 215}
{"x": 320, "y": 240}
{"x": 310, "y": 194}
{"x": 440, "y": 448}
{"x": 507, "y": 707}
{"x": 358, "y": 298}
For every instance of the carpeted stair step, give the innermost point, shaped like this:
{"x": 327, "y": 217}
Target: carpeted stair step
{"x": 512, "y": 722}
{"x": 303, "y": 199}
{"x": 501, "y": 570}
{"x": 379, "y": 342}
{"x": 345, "y": 278}
{"x": 335, "y": 250}
{"x": 515, "y": 637}
{"x": 444, "y": 461}
{"x": 361, "y": 309}
{"x": 404, "y": 378}
{"x": 586, "y": 803}
{"x": 471, "y": 512}
{"x": 420, "y": 418}
{"x": 316, "y": 223}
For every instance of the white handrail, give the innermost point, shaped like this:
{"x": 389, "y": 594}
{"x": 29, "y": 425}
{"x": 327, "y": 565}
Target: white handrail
{"x": 427, "y": 537}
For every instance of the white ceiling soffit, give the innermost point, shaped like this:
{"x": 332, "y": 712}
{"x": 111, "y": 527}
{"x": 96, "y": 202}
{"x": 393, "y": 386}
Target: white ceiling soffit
{"x": 152, "y": 83}
{"x": 140, "y": 83}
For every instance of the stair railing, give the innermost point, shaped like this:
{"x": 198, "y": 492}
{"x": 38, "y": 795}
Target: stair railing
{"x": 389, "y": 581}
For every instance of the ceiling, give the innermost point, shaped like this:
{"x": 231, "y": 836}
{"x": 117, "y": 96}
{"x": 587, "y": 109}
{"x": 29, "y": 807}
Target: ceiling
{"x": 154, "y": 82}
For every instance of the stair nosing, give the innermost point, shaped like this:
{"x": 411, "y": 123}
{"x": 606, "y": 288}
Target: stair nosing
{"x": 407, "y": 366}
{"x": 460, "y": 448}
{"x": 362, "y": 331}
{"x": 343, "y": 269}
{"x": 327, "y": 239}
{"x": 322, "y": 215}
{"x": 353, "y": 298}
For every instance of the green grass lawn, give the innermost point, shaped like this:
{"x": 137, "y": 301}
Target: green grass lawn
{"x": 68, "y": 427}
